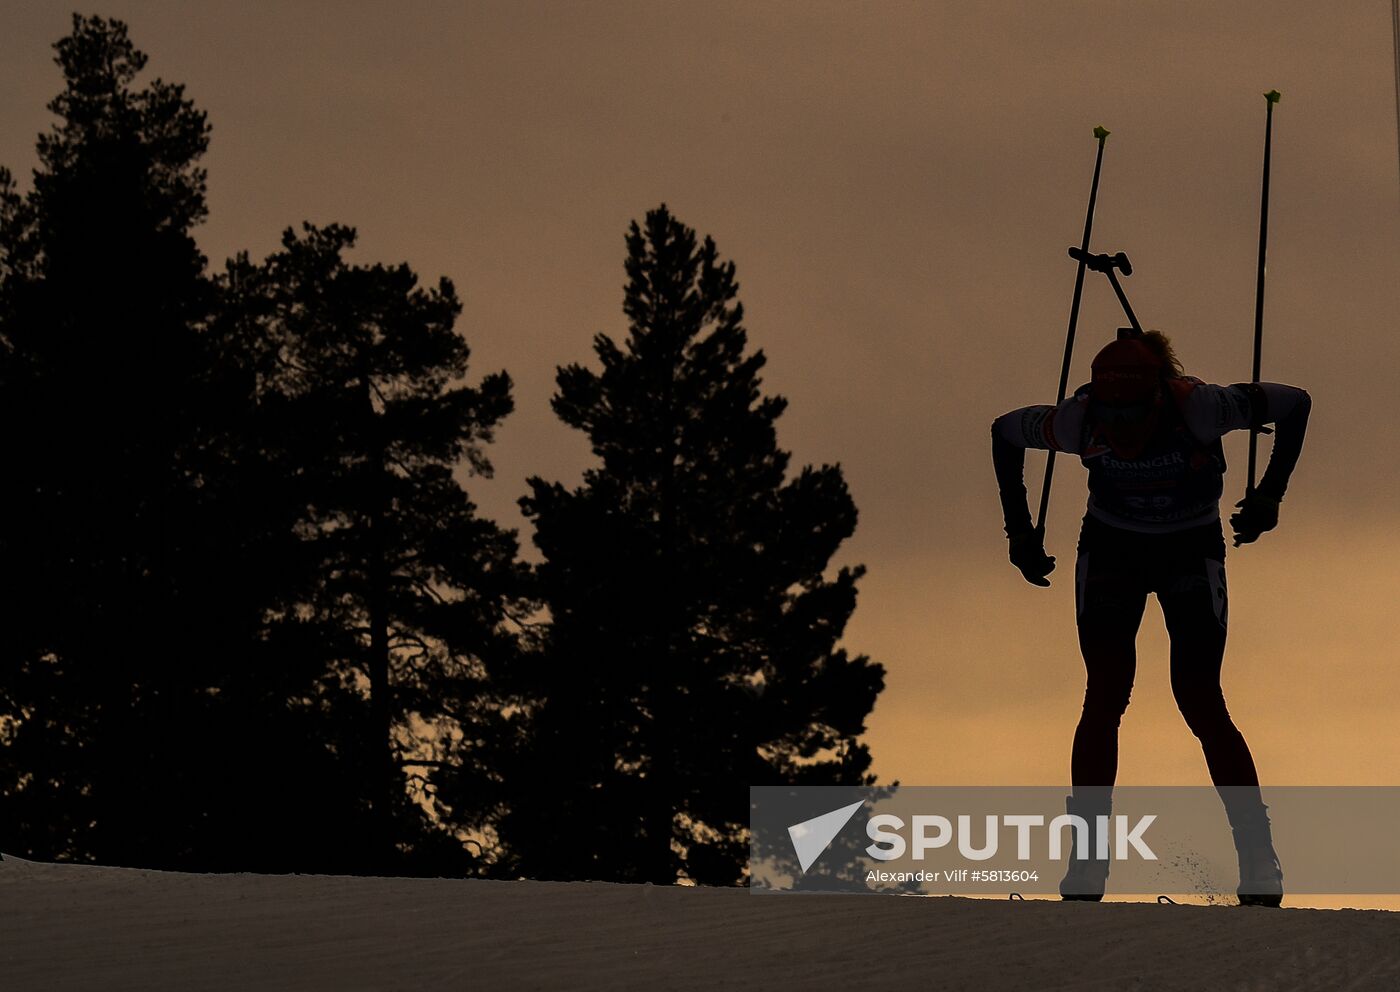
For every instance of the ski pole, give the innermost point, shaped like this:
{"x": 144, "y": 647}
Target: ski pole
{"x": 1101, "y": 133}
{"x": 1111, "y": 265}
{"x": 1271, "y": 97}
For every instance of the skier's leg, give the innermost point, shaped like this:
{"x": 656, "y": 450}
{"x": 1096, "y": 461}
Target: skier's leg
{"x": 1195, "y": 606}
{"x": 1109, "y": 601}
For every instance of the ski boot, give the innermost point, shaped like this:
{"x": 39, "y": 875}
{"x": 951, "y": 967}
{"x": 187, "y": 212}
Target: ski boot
{"x": 1087, "y": 876}
{"x": 1261, "y": 875}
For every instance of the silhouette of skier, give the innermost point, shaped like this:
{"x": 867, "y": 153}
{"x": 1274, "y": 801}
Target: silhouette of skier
{"x": 1150, "y": 438}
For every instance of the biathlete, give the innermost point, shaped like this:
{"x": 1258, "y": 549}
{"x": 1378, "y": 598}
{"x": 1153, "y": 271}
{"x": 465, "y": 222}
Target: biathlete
{"x": 1150, "y": 438}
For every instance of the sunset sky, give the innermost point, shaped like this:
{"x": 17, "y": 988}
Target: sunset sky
{"x": 897, "y": 184}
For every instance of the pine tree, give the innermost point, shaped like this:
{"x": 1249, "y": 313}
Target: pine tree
{"x": 402, "y": 596}
{"x": 240, "y": 583}
{"x": 102, "y": 296}
{"x": 692, "y": 646}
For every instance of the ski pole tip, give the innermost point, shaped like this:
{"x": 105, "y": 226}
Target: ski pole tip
{"x": 1101, "y": 132}
{"x": 1273, "y": 96}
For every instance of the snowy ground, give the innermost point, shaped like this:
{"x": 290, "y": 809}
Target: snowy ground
{"x": 72, "y": 927}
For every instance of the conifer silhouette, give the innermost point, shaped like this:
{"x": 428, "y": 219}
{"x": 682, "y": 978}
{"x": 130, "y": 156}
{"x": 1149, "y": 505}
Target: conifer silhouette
{"x": 692, "y": 649}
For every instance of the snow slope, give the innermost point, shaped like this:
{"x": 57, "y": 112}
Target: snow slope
{"x": 76, "y": 927}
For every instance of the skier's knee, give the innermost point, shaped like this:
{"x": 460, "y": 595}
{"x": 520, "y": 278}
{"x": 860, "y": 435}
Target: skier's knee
{"x": 1205, "y": 714}
{"x": 1105, "y": 707}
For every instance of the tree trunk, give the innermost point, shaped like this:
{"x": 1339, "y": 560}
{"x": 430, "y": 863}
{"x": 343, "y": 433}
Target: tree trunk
{"x": 381, "y": 715}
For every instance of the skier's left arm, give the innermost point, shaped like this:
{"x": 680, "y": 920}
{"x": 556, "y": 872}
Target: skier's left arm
{"x": 1214, "y": 410}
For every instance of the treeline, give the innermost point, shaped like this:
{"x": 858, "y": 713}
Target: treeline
{"x": 251, "y": 617}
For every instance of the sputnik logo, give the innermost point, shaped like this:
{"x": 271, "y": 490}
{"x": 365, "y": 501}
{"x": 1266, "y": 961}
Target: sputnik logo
{"x": 811, "y": 837}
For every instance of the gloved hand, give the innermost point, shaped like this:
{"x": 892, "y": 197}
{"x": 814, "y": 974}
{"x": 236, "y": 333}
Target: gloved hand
{"x": 1258, "y": 513}
{"x": 1028, "y": 555}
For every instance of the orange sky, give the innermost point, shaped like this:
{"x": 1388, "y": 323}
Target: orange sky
{"x": 897, "y": 185}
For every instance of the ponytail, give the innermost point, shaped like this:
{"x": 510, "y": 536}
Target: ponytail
{"x": 1161, "y": 346}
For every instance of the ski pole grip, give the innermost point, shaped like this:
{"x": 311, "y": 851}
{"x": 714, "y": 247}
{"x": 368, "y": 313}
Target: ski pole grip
{"x": 1102, "y": 263}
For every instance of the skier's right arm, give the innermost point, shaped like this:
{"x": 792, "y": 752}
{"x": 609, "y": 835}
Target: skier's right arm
{"x": 1009, "y": 462}
{"x": 1041, "y": 426}
{"x": 1012, "y": 434}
